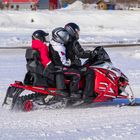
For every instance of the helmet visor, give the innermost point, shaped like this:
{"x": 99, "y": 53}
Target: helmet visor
{"x": 66, "y": 38}
{"x": 77, "y": 34}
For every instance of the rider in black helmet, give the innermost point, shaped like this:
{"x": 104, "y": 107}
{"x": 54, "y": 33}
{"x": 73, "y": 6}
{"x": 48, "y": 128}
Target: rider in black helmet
{"x": 40, "y": 35}
{"x": 75, "y": 52}
{"x": 73, "y": 29}
{"x": 39, "y": 43}
{"x": 74, "y": 46}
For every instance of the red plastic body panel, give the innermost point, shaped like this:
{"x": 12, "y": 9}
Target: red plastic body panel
{"x": 106, "y": 85}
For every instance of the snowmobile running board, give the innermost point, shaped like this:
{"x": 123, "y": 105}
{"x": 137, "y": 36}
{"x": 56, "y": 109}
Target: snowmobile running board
{"x": 49, "y": 91}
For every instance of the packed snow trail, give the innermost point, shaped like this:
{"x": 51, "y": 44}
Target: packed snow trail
{"x": 104, "y": 121}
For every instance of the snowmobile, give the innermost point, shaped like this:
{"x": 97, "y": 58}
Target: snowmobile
{"x": 36, "y": 91}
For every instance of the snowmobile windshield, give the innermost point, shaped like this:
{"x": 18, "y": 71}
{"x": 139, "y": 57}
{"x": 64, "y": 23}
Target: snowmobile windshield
{"x": 99, "y": 56}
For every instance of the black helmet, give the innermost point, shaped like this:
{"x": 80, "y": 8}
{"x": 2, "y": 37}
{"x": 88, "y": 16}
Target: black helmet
{"x": 60, "y": 35}
{"x": 73, "y": 29}
{"x": 40, "y": 35}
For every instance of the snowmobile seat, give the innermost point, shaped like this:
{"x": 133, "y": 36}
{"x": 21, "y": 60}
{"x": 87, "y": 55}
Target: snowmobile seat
{"x": 34, "y": 75}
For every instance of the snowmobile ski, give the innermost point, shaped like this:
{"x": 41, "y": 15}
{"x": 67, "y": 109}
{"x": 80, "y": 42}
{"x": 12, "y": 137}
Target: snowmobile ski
{"x": 129, "y": 104}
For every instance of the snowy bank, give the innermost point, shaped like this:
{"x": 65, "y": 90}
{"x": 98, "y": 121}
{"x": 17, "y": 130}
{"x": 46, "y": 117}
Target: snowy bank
{"x": 103, "y": 121}
{"x": 97, "y": 27}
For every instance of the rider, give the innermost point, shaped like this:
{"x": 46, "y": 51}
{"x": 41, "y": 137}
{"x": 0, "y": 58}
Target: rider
{"x": 75, "y": 52}
{"x": 74, "y": 49}
{"x": 39, "y": 43}
{"x": 60, "y": 38}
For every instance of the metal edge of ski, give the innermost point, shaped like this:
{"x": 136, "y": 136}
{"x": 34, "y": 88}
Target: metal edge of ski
{"x": 129, "y": 104}
{"x": 131, "y": 98}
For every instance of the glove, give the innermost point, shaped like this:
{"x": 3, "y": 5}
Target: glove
{"x": 50, "y": 66}
{"x": 68, "y": 62}
{"x": 58, "y": 69}
{"x": 88, "y": 52}
{"x": 98, "y": 50}
{"x": 48, "y": 69}
{"x": 83, "y": 69}
{"x": 94, "y": 53}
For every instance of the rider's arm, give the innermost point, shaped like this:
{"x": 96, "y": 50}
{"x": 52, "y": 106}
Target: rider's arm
{"x": 80, "y": 52}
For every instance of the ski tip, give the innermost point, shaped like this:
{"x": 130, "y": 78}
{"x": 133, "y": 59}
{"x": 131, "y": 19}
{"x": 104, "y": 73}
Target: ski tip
{"x": 130, "y": 104}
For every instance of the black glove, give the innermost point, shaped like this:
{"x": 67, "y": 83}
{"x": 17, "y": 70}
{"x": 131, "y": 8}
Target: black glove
{"x": 58, "y": 69}
{"x": 48, "y": 69}
{"x": 95, "y": 52}
{"x": 50, "y": 66}
{"x": 98, "y": 50}
{"x": 83, "y": 69}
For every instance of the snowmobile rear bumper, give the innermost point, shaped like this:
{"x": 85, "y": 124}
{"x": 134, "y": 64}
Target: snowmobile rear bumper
{"x": 14, "y": 91}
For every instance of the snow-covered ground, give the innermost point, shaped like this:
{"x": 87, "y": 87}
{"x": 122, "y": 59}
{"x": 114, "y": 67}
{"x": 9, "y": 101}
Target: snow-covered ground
{"x": 104, "y": 121}
{"x": 97, "y": 27}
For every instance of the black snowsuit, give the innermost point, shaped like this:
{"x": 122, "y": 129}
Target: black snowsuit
{"x": 74, "y": 53}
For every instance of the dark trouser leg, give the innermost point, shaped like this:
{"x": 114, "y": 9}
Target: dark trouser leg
{"x": 74, "y": 76}
{"x": 89, "y": 83}
{"x": 60, "y": 82}
{"x": 51, "y": 80}
{"x": 74, "y": 84}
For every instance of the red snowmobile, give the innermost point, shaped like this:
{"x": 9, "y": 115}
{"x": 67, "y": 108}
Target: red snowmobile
{"x": 35, "y": 91}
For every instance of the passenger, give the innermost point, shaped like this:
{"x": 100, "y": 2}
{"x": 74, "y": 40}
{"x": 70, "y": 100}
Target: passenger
{"x": 60, "y": 38}
{"x": 39, "y": 43}
{"x": 75, "y": 52}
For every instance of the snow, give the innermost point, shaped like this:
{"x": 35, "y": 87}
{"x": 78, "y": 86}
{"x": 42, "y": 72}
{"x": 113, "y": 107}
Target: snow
{"x": 78, "y": 5}
{"x": 92, "y": 122}
{"x": 103, "y": 121}
{"x": 97, "y": 26}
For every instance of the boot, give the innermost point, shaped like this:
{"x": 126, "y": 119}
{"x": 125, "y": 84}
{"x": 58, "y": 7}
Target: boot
{"x": 60, "y": 81}
{"x": 88, "y": 100}
{"x": 62, "y": 92}
{"x": 75, "y": 95}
